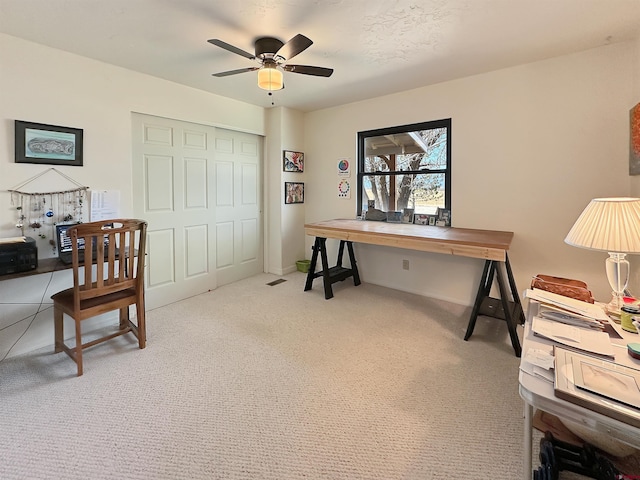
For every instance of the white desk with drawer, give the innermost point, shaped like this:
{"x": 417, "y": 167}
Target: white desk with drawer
{"x": 538, "y": 393}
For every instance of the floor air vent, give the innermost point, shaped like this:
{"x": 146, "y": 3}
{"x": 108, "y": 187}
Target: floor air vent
{"x": 276, "y": 282}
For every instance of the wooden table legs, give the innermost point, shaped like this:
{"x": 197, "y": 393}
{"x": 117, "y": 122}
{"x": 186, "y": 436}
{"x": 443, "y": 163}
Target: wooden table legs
{"x": 509, "y": 310}
{"x": 333, "y": 274}
{"x": 504, "y": 308}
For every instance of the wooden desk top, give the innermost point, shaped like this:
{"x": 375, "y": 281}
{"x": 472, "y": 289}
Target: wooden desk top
{"x": 486, "y": 244}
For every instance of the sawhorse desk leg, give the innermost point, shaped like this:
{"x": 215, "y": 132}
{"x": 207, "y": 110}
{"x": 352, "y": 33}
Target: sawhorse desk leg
{"x": 510, "y": 311}
{"x": 333, "y": 274}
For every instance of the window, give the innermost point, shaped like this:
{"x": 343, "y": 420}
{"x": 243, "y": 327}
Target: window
{"x": 405, "y": 167}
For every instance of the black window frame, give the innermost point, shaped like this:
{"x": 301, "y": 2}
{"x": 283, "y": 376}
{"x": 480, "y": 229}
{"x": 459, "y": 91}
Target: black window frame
{"x": 433, "y": 124}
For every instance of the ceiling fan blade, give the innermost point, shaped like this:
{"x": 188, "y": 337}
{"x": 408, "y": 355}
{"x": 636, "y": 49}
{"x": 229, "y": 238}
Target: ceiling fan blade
{"x": 234, "y": 72}
{"x": 293, "y": 47}
{"x": 231, "y": 48}
{"x": 309, "y": 70}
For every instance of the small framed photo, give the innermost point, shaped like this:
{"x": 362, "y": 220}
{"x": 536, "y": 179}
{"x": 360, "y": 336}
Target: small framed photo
{"x": 293, "y": 192}
{"x": 444, "y": 217}
{"x": 421, "y": 219}
{"x": 394, "y": 217}
{"x": 292, "y": 161}
{"x": 47, "y": 144}
{"x": 407, "y": 215}
{"x": 432, "y": 220}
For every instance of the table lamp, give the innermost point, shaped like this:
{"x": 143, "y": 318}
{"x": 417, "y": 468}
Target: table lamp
{"x": 610, "y": 225}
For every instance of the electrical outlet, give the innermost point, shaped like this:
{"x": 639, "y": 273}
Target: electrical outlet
{"x": 405, "y": 264}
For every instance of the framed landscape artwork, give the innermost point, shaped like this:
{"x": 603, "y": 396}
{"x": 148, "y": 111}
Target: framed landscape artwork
{"x": 292, "y": 161}
{"x": 47, "y": 144}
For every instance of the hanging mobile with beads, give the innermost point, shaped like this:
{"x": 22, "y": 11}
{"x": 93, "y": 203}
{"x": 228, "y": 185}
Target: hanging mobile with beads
{"x": 35, "y": 210}
{"x": 80, "y": 205}
{"x": 41, "y": 217}
{"x": 49, "y": 211}
{"x": 20, "y": 210}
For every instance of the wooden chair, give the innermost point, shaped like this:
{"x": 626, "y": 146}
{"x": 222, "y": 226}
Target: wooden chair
{"x": 108, "y": 274}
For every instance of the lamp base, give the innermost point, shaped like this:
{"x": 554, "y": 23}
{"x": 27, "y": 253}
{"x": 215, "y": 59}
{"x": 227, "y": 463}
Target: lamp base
{"x": 617, "y": 267}
{"x": 613, "y": 308}
{"x": 613, "y": 312}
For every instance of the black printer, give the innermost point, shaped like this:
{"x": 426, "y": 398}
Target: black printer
{"x": 18, "y": 254}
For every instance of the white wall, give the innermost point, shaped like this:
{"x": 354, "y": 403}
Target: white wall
{"x": 285, "y": 224}
{"x": 635, "y": 179}
{"x": 293, "y": 215}
{"x": 44, "y": 85}
{"x": 531, "y": 145}
{"x": 273, "y": 191}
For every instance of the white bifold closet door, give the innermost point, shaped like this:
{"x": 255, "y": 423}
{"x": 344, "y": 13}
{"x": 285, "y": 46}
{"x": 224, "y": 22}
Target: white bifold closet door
{"x": 199, "y": 188}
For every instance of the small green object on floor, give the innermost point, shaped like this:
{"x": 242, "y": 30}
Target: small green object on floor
{"x": 303, "y": 265}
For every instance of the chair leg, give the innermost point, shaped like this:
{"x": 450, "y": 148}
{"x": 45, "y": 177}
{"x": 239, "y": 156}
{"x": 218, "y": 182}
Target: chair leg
{"x": 58, "y": 327}
{"x": 78, "y": 349}
{"x": 142, "y": 327}
{"x": 124, "y": 318}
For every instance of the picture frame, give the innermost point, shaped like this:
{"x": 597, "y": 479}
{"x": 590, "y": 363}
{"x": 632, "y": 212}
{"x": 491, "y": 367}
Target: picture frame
{"x": 407, "y": 215}
{"x": 293, "y": 192}
{"x": 394, "y": 216}
{"x": 48, "y": 144}
{"x": 595, "y": 389}
{"x": 420, "y": 219}
{"x": 292, "y": 161}
{"x": 444, "y": 217}
{"x": 634, "y": 140}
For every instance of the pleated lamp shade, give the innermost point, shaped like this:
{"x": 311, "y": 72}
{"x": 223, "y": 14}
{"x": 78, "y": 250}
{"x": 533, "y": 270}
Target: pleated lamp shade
{"x": 608, "y": 225}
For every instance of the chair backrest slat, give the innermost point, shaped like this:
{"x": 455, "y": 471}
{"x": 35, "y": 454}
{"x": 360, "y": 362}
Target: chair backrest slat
{"x": 123, "y": 245}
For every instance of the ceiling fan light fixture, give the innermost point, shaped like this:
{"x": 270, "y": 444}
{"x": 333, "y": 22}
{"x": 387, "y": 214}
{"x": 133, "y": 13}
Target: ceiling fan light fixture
{"x": 270, "y": 78}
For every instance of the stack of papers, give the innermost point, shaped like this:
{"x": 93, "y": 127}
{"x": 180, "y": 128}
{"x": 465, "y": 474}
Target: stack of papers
{"x": 573, "y": 323}
{"x": 563, "y": 316}
{"x": 586, "y": 340}
{"x": 568, "y": 305}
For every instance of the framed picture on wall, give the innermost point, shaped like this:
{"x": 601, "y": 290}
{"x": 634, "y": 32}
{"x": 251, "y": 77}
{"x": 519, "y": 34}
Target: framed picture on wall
{"x": 47, "y": 144}
{"x": 634, "y": 140}
{"x": 293, "y": 192}
{"x": 292, "y": 161}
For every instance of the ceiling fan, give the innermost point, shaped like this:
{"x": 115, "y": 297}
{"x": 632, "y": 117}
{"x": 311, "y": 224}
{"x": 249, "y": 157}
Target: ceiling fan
{"x": 272, "y": 55}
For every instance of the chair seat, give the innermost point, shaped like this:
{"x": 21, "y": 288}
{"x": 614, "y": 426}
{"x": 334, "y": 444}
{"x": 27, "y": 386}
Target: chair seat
{"x": 107, "y": 302}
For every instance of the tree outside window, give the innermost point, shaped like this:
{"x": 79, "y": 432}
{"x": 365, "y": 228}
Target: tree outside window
{"x": 405, "y": 167}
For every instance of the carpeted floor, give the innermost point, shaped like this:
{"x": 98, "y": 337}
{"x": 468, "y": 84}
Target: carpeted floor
{"x": 252, "y": 381}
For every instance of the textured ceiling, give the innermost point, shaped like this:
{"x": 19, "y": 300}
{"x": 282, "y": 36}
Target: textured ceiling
{"x": 376, "y": 47}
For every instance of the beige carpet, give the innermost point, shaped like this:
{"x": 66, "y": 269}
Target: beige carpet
{"x": 269, "y": 382}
